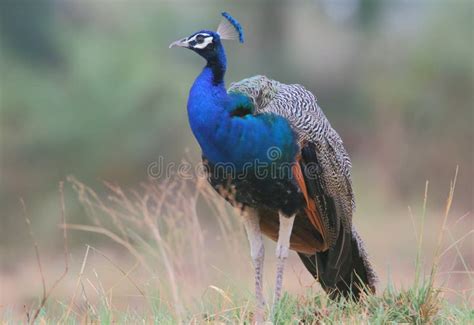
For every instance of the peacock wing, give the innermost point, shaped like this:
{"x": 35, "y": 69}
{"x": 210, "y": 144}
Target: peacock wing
{"x": 323, "y": 168}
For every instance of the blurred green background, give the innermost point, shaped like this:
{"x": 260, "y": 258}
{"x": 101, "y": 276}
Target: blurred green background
{"x": 90, "y": 89}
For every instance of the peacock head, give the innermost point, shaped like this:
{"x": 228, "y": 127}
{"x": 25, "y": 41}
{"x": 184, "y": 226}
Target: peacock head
{"x": 208, "y": 43}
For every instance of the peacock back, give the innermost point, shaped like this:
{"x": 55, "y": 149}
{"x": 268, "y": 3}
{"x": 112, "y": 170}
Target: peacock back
{"x": 327, "y": 165}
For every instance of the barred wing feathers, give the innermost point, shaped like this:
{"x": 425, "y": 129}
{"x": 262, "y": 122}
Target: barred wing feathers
{"x": 324, "y": 160}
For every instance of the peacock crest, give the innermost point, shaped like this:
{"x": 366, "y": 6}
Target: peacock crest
{"x": 230, "y": 28}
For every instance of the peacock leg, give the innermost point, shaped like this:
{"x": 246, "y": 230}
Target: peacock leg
{"x": 282, "y": 249}
{"x": 257, "y": 251}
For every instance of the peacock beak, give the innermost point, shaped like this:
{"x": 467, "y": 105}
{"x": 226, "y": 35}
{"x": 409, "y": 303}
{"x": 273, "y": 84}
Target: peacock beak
{"x": 181, "y": 43}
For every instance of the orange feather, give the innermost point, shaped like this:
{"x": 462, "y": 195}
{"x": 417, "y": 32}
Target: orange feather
{"x": 311, "y": 209}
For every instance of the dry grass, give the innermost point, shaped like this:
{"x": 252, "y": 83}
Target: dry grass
{"x": 170, "y": 268}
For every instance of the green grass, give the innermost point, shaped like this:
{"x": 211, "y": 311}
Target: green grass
{"x": 413, "y": 306}
{"x": 172, "y": 263}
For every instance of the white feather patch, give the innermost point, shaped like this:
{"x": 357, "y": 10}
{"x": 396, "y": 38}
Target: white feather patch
{"x": 207, "y": 41}
{"x": 194, "y": 37}
{"x": 227, "y": 31}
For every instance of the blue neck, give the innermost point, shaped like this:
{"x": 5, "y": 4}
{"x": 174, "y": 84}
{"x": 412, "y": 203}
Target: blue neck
{"x": 206, "y": 103}
{"x": 217, "y": 63}
{"x": 224, "y": 139}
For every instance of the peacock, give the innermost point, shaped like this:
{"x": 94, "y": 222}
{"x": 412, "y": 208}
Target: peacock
{"x": 270, "y": 151}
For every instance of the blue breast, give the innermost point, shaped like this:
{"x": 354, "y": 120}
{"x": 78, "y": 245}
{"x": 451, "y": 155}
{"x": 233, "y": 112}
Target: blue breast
{"x": 236, "y": 140}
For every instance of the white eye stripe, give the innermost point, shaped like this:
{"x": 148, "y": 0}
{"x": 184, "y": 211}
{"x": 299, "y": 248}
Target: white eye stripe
{"x": 205, "y": 43}
{"x": 201, "y": 34}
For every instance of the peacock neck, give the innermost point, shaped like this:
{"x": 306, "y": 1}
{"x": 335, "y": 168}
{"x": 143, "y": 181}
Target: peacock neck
{"x": 207, "y": 102}
{"x": 209, "y": 88}
{"x": 208, "y": 95}
{"x": 232, "y": 140}
{"x": 217, "y": 64}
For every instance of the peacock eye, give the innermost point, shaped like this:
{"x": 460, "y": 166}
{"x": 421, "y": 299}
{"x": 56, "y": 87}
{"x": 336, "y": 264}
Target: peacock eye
{"x": 199, "y": 39}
